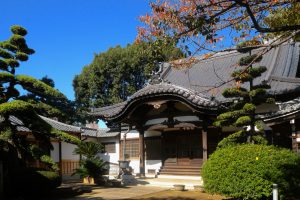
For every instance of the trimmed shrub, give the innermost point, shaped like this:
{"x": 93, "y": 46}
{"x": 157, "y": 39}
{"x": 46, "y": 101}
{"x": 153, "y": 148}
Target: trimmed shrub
{"x": 32, "y": 182}
{"x": 248, "y": 171}
{"x": 53, "y": 179}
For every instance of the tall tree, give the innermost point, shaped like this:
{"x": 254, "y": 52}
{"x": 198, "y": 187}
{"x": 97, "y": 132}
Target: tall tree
{"x": 12, "y": 52}
{"x": 202, "y": 26}
{"x": 116, "y": 74}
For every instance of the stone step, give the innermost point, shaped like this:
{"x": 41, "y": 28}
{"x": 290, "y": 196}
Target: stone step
{"x": 181, "y": 169}
{"x": 183, "y": 166}
{"x": 180, "y": 173}
{"x": 169, "y": 181}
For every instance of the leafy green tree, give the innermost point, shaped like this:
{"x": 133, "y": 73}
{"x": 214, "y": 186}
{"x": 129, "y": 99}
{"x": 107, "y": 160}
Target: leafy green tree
{"x": 119, "y": 72}
{"x": 246, "y": 97}
{"x": 12, "y": 143}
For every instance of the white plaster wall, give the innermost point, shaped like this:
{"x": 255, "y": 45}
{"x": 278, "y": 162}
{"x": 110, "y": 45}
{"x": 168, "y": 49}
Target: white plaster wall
{"x": 111, "y": 157}
{"x": 152, "y": 164}
{"x": 134, "y": 134}
{"x": 149, "y": 164}
{"x": 130, "y": 135}
{"x": 135, "y": 165}
{"x": 55, "y": 152}
{"x": 67, "y": 151}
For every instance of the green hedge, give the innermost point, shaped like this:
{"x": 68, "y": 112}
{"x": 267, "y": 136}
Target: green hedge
{"x": 248, "y": 171}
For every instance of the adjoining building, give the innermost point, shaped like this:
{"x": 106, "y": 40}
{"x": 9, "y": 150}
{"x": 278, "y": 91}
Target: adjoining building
{"x": 169, "y": 121}
{"x": 62, "y": 152}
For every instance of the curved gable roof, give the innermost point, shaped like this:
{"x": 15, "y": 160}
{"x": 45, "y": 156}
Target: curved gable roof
{"x": 157, "y": 90}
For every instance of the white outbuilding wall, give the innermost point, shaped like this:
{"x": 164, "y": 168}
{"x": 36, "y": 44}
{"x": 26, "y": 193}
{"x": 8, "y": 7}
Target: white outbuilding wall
{"x": 135, "y": 163}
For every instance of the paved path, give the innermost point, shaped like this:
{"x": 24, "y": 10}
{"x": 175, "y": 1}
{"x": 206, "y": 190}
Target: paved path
{"x": 128, "y": 192}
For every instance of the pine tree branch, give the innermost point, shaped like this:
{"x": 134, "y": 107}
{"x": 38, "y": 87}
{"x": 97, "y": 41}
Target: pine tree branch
{"x": 262, "y": 29}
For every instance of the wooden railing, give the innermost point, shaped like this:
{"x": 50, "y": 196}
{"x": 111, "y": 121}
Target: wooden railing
{"x": 68, "y": 167}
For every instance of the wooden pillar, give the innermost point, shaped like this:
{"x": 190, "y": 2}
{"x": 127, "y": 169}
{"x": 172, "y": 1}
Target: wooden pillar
{"x": 142, "y": 153}
{"x": 204, "y": 144}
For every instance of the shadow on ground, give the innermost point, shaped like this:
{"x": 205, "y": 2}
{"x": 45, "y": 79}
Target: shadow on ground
{"x": 167, "y": 198}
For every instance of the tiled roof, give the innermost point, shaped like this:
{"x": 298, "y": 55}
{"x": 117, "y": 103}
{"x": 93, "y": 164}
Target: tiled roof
{"x": 165, "y": 88}
{"x": 285, "y": 109}
{"x": 101, "y": 132}
{"x": 89, "y": 132}
{"x": 108, "y": 134}
{"x": 281, "y": 62}
{"x": 161, "y": 89}
{"x": 61, "y": 126}
{"x": 199, "y": 84}
{"x": 55, "y": 124}
{"x": 17, "y": 122}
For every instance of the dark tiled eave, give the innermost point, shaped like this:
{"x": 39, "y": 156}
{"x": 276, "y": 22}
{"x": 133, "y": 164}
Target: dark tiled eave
{"x": 157, "y": 90}
{"x": 55, "y": 124}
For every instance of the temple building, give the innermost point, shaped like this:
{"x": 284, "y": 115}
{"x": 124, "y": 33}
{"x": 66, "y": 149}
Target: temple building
{"x": 168, "y": 123}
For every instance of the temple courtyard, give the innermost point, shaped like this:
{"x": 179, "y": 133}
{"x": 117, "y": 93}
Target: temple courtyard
{"x": 129, "y": 192}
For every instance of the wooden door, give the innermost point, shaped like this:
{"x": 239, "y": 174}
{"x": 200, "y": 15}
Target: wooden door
{"x": 182, "y": 148}
{"x": 169, "y": 149}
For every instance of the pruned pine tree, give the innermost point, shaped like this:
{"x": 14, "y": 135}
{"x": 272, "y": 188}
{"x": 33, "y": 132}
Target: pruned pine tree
{"x": 246, "y": 97}
{"x": 62, "y": 109}
{"x": 12, "y": 52}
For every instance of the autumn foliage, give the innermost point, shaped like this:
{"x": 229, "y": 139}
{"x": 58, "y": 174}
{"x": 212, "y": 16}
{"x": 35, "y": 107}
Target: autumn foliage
{"x": 199, "y": 25}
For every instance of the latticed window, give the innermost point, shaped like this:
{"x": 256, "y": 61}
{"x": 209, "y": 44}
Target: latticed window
{"x": 110, "y": 147}
{"x": 132, "y": 149}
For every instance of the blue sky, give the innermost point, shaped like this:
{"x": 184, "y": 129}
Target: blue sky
{"x": 67, "y": 33}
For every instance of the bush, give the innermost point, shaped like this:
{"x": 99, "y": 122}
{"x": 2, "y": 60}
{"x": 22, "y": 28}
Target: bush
{"x": 248, "y": 171}
{"x": 93, "y": 167}
{"x": 31, "y": 182}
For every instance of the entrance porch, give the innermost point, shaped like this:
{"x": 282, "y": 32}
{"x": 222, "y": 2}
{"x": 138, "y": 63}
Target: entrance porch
{"x": 183, "y": 152}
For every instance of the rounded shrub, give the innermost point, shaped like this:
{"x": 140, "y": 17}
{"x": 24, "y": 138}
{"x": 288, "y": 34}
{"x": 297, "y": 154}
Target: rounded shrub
{"x": 32, "y": 182}
{"x": 248, "y": 171}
